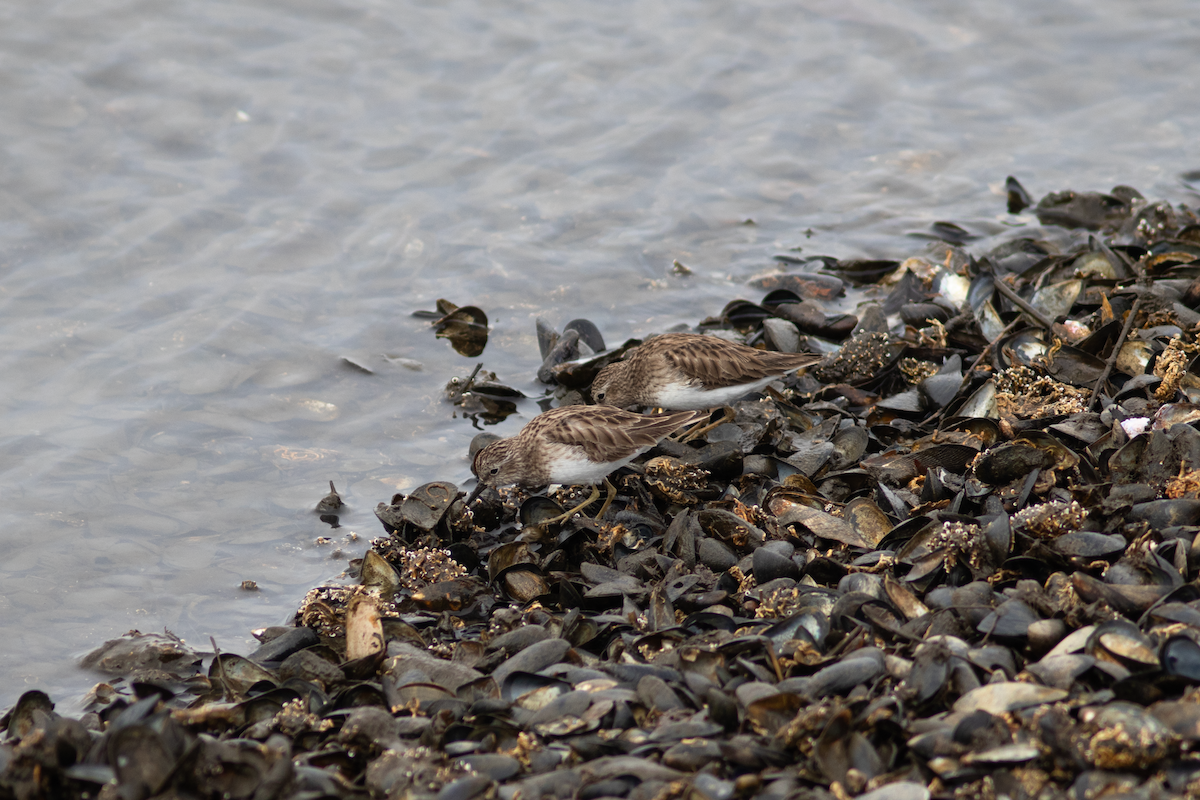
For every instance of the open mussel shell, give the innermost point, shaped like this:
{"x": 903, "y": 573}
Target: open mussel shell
{"x": 523, "y": 582}
{"x": 22, "y": 718}
{"x": 1057, "y": 299}
{"x": 1135, "y": 358}
{"x": 1121, "y": 642}
{"x": 849, "y": 446}
{"x": 581, "y": 631}
{"x": 508, "y": 555}
{"x": 904, "y": 532}
{"x": 466, "y": 328}
{"x": 238, "y": 673}
{"x": 574, "y": 357}
{"x": 1180, "y": 656}
{"x": 575, "y": 367}
{"x": 1025, "y": 348}
{"x": 990, "y": 323}
{"x": 1102, "y": 340}
{"x": 867, "y": 519}
{"x": 538, "y": 509}
{"x": 981, "y": 403}
{"x": 897, "y": 468}
{"x": 422, "y": 695}
{"x": 377, "y": 572}
{"x": 265, "y": 705}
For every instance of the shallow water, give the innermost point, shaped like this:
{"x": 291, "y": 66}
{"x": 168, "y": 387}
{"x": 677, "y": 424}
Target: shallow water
{"x": 207, "y": 205}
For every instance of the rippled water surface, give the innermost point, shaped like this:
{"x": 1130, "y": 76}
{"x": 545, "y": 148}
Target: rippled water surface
{"x": 207, "y": 205}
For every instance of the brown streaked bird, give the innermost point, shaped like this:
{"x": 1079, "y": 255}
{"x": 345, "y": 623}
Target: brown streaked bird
{"x": 573, "y": 445}
{"x": 691, "y": 371}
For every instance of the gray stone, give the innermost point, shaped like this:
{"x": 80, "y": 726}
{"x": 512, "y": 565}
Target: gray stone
{"x": 781, "y": 334}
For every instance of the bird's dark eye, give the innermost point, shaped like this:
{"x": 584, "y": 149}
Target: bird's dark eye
{"x": 493, "y": 470}
{"x": 599, "y": 396}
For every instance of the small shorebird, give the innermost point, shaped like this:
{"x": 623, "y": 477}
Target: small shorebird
{"x": 691, "y": 371}
{"x": 573, "y": 445}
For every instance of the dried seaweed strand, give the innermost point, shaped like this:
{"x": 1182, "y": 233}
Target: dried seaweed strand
{"x": 1022, "y": 304}
{"x": 226, "y": 691}
{"x": 1116, "y": 351}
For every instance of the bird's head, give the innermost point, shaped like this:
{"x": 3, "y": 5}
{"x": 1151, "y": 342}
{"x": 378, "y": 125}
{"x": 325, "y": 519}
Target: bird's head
{"x": 609, "y": 388}
{"x": 496, "y": 464}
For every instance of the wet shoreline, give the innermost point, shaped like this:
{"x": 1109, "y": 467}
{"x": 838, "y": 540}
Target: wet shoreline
{"x": 956, "y": 558}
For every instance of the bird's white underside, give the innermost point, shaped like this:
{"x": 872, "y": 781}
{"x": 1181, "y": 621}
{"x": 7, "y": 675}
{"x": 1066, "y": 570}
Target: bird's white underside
{"x": 684, "y": 396}
{"x": 575, "y": 468}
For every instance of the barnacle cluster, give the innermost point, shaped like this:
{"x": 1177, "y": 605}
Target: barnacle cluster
{"x": 1024, "y": 394}
{"x": 915, "y": 370}
{"x": 1051, "y": 519}
{"x": 860, "y": 358}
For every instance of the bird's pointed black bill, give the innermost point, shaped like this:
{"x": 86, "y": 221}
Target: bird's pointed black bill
{"x": 478, "y": 490}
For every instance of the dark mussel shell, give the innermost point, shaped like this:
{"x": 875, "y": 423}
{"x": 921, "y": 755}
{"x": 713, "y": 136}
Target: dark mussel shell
{"x": 797, "y": 285}
{"x": 466, "y": 328}
{"x": 538, "y": 509}
{"x": 861, "y": 272}
{"x": 744, "y": 315}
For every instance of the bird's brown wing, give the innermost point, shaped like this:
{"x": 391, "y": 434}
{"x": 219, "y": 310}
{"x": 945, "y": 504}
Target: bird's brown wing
{"x": 606, "y": 433}
{"x": 718, "y": 363}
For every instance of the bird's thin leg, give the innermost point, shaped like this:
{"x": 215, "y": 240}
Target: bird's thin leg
{"x": 595, "y": 495}
{"x": 612, "y": 493}
{"x": 727, "y": 415}
{"x": 677, "y": 436}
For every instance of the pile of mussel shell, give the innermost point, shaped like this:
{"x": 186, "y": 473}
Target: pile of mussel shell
{"x": 957, "y": 558}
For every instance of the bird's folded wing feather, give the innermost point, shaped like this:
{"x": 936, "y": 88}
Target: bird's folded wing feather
{"x": 612, "y": 434}
{"x": 717, "y": 365}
